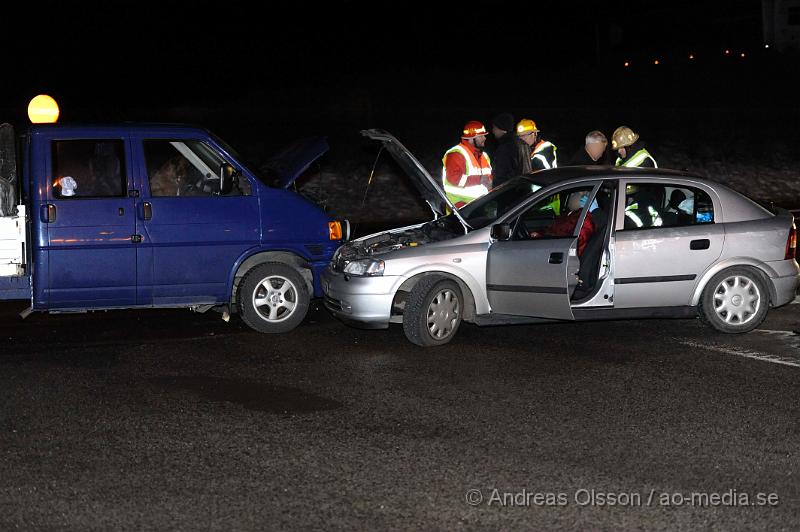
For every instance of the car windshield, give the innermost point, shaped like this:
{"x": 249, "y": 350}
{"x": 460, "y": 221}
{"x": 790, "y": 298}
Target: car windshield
{"x": 485, "y": 210}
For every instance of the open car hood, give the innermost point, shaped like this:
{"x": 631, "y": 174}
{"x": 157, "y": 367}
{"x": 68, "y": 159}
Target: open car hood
{"x": 430, "y": 189}
{"x": 289, "y": 163}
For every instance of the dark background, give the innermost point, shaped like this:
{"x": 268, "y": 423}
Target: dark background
{"x": 261, "y": 75}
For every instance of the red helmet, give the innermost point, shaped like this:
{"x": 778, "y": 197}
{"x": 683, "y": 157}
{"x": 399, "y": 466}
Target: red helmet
{"x": 473, "y": 129}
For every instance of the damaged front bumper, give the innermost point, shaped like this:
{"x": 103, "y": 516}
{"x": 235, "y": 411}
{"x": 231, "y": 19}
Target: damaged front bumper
{"x": 364, "y": 302}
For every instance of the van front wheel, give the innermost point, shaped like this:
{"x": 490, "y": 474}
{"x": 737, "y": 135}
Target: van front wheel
{"x": 273, "y": 298}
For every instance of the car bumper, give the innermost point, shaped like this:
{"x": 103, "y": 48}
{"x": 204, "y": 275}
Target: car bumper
{"x": 364, "y": 302}
{"x": 786, "y": 283}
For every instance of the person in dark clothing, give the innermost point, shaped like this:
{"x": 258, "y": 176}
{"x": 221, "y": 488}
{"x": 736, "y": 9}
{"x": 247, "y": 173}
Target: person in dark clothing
{"x": 511, "y": 157}
{"x": 594, "y": 151}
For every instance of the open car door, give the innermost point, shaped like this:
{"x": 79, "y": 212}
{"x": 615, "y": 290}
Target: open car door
{"x": 533, "y": 271}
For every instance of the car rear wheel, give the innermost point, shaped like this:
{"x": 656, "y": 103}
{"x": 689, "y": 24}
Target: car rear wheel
{"x": 433, "y": 312}
{"x": 735, "y": 301}
{"x": 273, "y": 298}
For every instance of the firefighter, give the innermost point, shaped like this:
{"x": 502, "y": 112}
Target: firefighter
{"x": 543, "y": 152}
{"x": 630, "y": 149}
{"x": 467, "y": 170}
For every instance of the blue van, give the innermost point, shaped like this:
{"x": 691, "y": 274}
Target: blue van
{"x": 144, "y": 216}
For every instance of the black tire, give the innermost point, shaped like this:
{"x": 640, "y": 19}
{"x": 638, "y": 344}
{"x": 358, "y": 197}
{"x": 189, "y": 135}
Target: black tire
{"x": 418, "y": 306}
{"x": 274, "y": 316}
{"x": 744, "y": 315}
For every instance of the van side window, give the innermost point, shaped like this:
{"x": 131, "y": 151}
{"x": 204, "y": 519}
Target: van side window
{"x": 649, "y": 205}
{"x": 89, "y": 169}
{"x": 185, "y": 168}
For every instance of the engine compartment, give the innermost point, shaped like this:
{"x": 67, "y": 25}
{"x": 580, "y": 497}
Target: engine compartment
{"x": 434, "y": 231}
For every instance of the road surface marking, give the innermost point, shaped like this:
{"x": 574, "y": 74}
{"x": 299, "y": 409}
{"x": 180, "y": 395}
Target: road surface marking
{"x": 747, "y": 353}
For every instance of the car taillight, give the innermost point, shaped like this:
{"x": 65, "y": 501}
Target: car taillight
{"x": 791, "y": 244}
{"x": 335, "y": 230}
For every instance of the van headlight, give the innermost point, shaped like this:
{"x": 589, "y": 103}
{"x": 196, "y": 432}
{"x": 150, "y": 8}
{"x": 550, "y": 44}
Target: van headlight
{"x": 365, "y": 267}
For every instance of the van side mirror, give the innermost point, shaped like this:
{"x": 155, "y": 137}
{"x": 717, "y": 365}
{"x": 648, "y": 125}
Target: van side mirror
{"x": 501, "y": 231}
{"x": 226, "y": 175}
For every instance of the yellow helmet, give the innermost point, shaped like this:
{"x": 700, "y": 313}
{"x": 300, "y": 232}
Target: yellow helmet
{"x": 623, "y": 136}
{"x": 526, "y": 125}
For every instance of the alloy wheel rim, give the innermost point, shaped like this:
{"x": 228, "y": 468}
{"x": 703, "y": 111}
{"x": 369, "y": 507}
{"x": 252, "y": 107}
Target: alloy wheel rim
{"x": 737, "y": 300}
{"x": 275, "y": 298}
{"x": 443, "y": 314}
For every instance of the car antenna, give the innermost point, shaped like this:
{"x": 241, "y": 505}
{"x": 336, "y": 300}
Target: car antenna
{"x": 371, "y": 175}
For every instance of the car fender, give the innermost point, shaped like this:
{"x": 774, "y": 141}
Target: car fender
{"x": 763, "y": 267}
{"x": 476, "y": 287}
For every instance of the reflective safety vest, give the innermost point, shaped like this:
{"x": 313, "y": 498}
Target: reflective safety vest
{"x": 655, "y": 218}
{"x": 544, "y": 156}
{"x": 636, "y": 160}
{"x": 469, "y": 186}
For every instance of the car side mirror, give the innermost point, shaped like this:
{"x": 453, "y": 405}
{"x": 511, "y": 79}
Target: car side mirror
{"x": 226, "y": 175}
{"x": 501, "y": 231}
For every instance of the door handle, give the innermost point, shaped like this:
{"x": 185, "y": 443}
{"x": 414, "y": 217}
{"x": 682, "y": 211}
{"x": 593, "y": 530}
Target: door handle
{"x": 48, "y": 213}
{"x": 556, "y": 258}
{"x": 702, "y": 243}
{"x": 147, "y": 211}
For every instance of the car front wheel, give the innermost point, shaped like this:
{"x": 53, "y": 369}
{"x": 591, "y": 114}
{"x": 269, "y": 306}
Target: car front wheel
{"x": 273, "y": 298}
{"x": 735, "y": 300}
{"x": 433, "y": 312}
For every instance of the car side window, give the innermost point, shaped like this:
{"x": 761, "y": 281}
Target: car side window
{"x": 185, "y": 168}
{"x": 89, "y": 169}
{"x": 649, "y": 205}
{"x": 555, "y": 216}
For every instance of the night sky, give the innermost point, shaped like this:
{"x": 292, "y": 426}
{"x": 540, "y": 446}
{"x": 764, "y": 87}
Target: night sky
{"x": 367, "y": 64}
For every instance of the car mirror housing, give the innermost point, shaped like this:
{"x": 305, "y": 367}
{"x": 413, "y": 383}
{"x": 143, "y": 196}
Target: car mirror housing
{"x": 227, "y": 173}
{"x": 501, "y": 231}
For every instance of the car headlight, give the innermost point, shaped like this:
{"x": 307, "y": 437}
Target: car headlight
{"x": 365, "y": 267}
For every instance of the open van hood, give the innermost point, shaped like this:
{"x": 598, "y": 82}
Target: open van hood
{"x": 430, "y": 189}
{"x": 289, "y": 163}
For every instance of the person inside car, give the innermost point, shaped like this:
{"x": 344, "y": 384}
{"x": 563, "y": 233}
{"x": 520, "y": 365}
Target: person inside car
{"x": 565, "y": 224}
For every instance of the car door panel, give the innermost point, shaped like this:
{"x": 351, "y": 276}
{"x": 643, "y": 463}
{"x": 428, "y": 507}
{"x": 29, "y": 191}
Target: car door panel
{"x": 91, "y": 246}
{"x": 660, "y": 266}
{"x": 190, "y": 243}
{"x": 532, "y": 277}
{"x": 535, "y": 272}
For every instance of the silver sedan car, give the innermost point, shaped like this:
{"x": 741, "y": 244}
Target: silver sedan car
{"x": 574, "y": 243}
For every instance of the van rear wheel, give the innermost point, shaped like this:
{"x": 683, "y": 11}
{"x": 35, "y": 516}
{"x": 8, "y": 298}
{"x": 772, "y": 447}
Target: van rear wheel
{"x": 273, "y": 298}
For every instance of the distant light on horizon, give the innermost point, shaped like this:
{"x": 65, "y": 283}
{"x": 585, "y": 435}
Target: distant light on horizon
{"x": 766, "y": 46}
{"x": 691, "y": 56}
{"x": 742, "y": 55}
{"x": 627, "y": 64}
{"x": 727, "y": 52}
{"x": 656, "y": 62}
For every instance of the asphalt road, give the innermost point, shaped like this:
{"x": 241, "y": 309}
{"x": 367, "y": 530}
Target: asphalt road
{"x": 173, "y": 420}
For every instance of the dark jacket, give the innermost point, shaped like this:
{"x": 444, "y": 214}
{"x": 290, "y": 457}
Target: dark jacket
{"x": 510, "y": 159}
{"x": 581, "y": 158}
